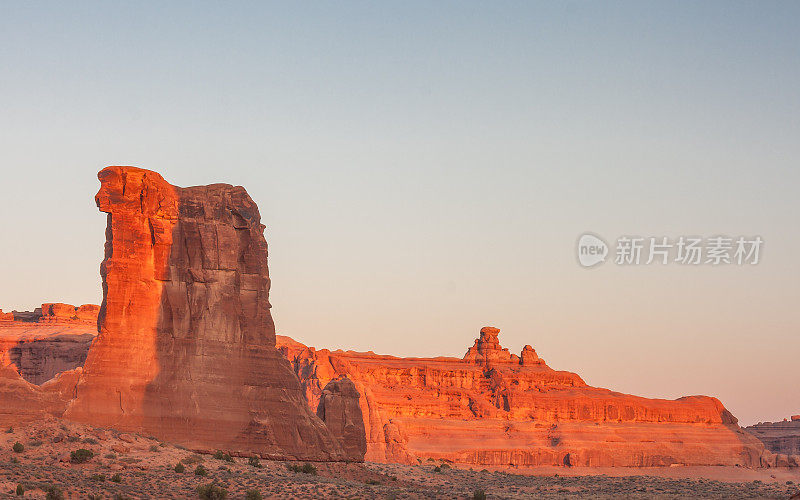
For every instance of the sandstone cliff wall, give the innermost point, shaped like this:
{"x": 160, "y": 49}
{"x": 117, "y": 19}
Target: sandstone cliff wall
{"x": 496, "y": 408}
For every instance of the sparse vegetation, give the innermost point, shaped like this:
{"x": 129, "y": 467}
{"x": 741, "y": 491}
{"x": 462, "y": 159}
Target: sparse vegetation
{"x": 253, "y": 495}
{"x": 155, "y": 448}
{"x": 179, "y": 468}
{"x": 53, "y": 493}
{"x": 73, "y": 439}
{"x": 212, "y": 492}
{"x": 90, "y": 441}
{"x": 306, "y": 468}
{"x": 99, "y": 477}
{"x": 18, "y": 447}
{"x": 437, "y": 469}
{"x": 20, "y": 490}
{"x": 110, "y": 456}
{"x": 372, "y": 481}
{"x": 254, "y": 462}
{"x": 10, "y": 430}
{"x": 80, "y": 456}
{"x": 200, "y": 471}
{"x": 479, "y": 495}
{"x": 116, "y": 478}
{"x": 35, "y": 442}
{"x": 219, "y": 455}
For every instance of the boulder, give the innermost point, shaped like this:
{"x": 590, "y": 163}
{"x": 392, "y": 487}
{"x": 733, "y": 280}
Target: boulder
{"x": 340, "y": 410}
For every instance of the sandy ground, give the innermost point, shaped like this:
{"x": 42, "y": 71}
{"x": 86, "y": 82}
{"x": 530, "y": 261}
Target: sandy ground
{"x": 146, "y": 469}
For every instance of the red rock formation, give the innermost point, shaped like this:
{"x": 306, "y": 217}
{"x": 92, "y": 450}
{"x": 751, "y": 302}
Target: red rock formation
{"x": 496, "y": 408}
{"x": 186, "y": 348}
{"x": 339, "y": 408}
{"x": 6, "y": 317}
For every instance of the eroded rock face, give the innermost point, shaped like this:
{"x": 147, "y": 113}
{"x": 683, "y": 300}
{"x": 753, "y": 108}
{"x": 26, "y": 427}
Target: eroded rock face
{"x": 339, "y": 408}
{"x": 495, "y": 408}
{"x": 186, "y": 345}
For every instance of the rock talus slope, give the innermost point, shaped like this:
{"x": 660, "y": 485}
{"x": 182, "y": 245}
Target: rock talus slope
{"x": 496, "y": 408}
{"x": 186, "y": 345}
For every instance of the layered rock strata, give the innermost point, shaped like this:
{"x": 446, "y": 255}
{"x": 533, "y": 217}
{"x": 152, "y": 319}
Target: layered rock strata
{"x": 781, "y": 438}
{"x": 496, "y": 408}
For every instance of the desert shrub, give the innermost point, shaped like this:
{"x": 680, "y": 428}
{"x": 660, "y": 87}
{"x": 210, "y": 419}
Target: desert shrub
{"x": 80, "y": 456}
{"x": 437, "y": 469}
{"x": 53, "y": 493}
{"x": 18, "y": 447}
{"x": 218, "y": 454}
{"x": 10, "y": 430}
{"x": 306, "y": 468}
{"x": 35, "y": 443}
{"x": 253, "y": 495}
{"x": 99, "y": 477}
{"x": 20, "y": 490}
{"x": 200, "y": 471}
{"x": 445, "y": 466}
{"x": 14, "y": 460}
{"x": 110, "y": 456}
{"x": 154, "y": 448}
{"x": 73, "y": 439}
{"x": 393, "y": 478}
{"x": 90, "y": 441}
{"x": 179, "y": 468}
{"x": 478, "y": 495}
{"x": 116, "y": 478}
{"x": 253, "y": 462}
{"x": 372, "y": 481}
{"x": 212, "y": 492}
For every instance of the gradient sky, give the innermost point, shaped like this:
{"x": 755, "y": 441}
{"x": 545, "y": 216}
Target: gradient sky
{"x": 424, "y": 169}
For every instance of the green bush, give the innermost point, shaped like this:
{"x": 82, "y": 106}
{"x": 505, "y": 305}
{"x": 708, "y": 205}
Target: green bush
{"x": 73, "y": 439}
{"x": 253, "y": 495}
{"x": 154, "y": 448}
{"x": 10, "y": 430}
{"x": 180, "y": 469}
{"x": 479, "y": 495}
{"x": 306, "y": 468}
{"x": 218, "y": 455}
{"x": 53, "y": 493}
{"x": 20, "y": 490}
{"x": 437, "y": 469}
{"x": 99, "y": 477}
{"x": 18, "y": 447}
{"x": 200, "y": 471}
{"x": 80, "y": 456}
{"x": 116, "y": 478}
{"x": 254, "y": 462}
{"x": 90, "y": 441}
{"x": 212, "y": 492}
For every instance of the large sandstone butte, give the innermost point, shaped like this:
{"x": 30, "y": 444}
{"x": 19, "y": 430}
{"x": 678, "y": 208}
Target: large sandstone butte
{"x": 496, "y": 408}
{"x": 186, "y": 344}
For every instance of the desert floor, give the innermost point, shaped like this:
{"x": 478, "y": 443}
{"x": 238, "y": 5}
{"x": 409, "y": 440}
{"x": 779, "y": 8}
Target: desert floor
{"x": 132, "y": 466}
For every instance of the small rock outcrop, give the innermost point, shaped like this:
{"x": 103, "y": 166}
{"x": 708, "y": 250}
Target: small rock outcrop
{"x": 186, "y": 345}
{"x": 340, "y": 410}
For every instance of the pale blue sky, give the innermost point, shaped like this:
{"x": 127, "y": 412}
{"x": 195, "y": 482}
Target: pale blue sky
{"x": 424, "y": 169}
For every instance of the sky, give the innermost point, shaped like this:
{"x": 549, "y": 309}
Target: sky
{"x": 425, "y": 169}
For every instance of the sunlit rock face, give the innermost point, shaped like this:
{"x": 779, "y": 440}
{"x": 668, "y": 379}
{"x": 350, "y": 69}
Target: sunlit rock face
{"x": 186, "y": 345}
{"x": 496, "y": 408}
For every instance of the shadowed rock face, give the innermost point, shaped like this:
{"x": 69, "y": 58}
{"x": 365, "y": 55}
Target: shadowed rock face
{"x": 779, "y": 437}
{"x": 186, "y": 345}
{"x": 339, "y": 408}
{"x": 496, "y": 408}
